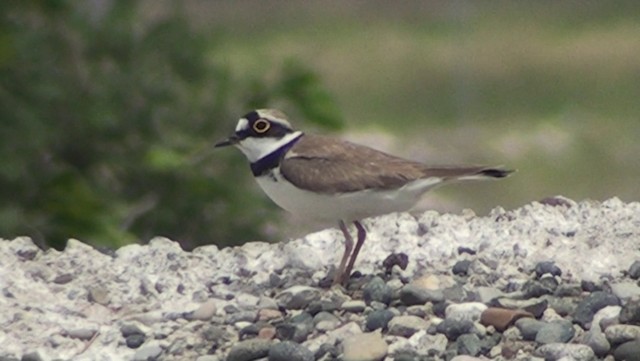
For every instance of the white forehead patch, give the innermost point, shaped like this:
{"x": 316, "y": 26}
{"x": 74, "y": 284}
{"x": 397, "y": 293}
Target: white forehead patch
{"x": 242, "y": 124}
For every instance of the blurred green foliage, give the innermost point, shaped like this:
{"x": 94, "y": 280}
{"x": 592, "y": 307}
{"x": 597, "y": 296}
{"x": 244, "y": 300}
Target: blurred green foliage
{"x": 107, "y": 121}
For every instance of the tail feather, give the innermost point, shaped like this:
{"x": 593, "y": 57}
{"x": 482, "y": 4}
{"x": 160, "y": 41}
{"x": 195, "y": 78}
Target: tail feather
{"x": 486, "y": 173}
{"x": 495, "y": 172}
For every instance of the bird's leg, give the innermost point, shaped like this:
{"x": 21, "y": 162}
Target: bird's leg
{"x": 348, "y": 246}
{"x": 362, "y": 235}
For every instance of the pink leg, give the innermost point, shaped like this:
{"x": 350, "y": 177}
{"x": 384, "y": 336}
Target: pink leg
{"x": 348, "y": 246}
{"x": 362, "y": 235}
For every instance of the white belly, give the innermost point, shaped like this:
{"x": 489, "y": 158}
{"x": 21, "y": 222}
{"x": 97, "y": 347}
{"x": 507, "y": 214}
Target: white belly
{"x": 344, "y": 206}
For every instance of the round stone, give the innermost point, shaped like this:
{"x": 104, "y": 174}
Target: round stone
{"x": 364, "y": 347}
{"x": 378, "y": 319}
{"x": 630, "y": 312}
{"x": 412, "y": 294}
{"x": 353, "y": 306}
{"x": 556, "y": 351}
{"x": 591, "y": 304}
{"x": 406, "y": 326}
{"x": 555, "y": 332}
{"x": 454, "y": 328}
{"x": 634, "y": 270}
{"x": 628, "y": 351}
{"x": 529, "y": 327}
{"x": 548, "y": 267}
{"x": 468, "y": 344}
{"x": 135, "y": 340}
{"x": 289, "y": 351}
{"x": 377, "y": 290}
{"x": 249, "y": 350}
{"x": 470, "y": 311}
{"x": 461, "y": 268}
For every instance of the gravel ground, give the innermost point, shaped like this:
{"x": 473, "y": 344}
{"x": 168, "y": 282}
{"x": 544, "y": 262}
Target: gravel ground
{"x": 556, "y": 280}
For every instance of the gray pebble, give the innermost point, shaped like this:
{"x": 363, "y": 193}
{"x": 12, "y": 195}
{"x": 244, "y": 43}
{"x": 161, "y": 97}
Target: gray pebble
{"x": 31, "y": 356}
{"x": 591, "y": 304}
{"x": 555, "y": 332}
{"x": 469, "y": 311}
{"x": 406, "y": 326}
{"x": 461, "y": 268}
{"x": 414, "y": 295}
{"x": 130, "y": 329}
{"x": 617, "y": 334}
{"x": 353, "y": 306}
{"x": 377, "y": 290}
{"x": 325, "y": 321}
{"x": 548, "y": 267}
{"x": 135, "y": 340}
{"x": 296, "y": 329}
{"x": 628, "y": 351}
{"x": 289, "y": 351}
{"x": 454, "y": 328}
{"x": 634, "y": 270}
{"x": 625, "y": 290}
{"x": 249, "y": 350}
{"x": 204, "y": 312}
{"x": 147, "y": 353}
{"x": 242, "y": 316}
{"x": 529, "y": 327}
{"x": 297, "y": 297}
{"x": 630, "y": 312}
{"x": 487, "y": 294}
{"x": 468, "y": 344}
{"x": 596, "y": 339}
{"x": 556, "y": 351}
{"x": 378, "y": 319}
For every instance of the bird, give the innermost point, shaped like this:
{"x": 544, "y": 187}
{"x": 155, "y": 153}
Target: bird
{"x": 325, "y": 178}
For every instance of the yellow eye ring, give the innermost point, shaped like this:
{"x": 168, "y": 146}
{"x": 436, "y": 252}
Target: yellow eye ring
{"x": 261, "y": 126}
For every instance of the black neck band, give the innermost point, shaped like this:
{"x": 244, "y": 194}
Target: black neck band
{"x": 263, "y": 165}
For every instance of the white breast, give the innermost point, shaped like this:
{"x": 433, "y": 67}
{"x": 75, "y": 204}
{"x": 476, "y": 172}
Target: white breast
{"x": 343, "y": 206}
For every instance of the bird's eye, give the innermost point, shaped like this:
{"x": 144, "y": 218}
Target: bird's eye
{"x": 261, "y": 126}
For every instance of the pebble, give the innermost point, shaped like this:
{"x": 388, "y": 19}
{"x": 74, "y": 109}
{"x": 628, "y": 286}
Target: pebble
{"x": 325, "y": 321}
{"x": 204, "y": 312}
{"x": 296, "y": 329}
{"x": 147, "y": 353}
{"x": 555, "y": 351}
{"x": 412, "y": 294}
{"x": 468, "y": 344}
{"x": 99, "y": 294}
{"x": 625, "y": 290}
{"x": 353, "y": 306}
{"x": 488, "y": 294}
{"x": 501, "y": 318}
{"x": 470, "y": 311}
{"x": 135, "y": 340}
{"x": 596, "y": 339}
{"x": 31, "y": 356}
{"x": 628, "y": 351}
{"x": 547, "y": 267}
{"x": 297, "y": 297}
{"x": 421, "y": 343}
{"x": 529, "y": 327}
{"x": 617, "y": 334}
{"x": 378, "y": 319}
{"x": 634, "y": 270}
{"x": 454, "y": 328}
{"x": 268, "y": 314}
{"x": 249, "y": 350}
{"x": 377, "y": 290}
{"x": 406, "y": 326}
{"x": 630, "y": 312}
{"x": 242, "y": 316}
{"x": 461, "y": 268}
{"x": 364, "y": 347}
{"x": 267, "y": 333}
{"x": 555, "y": 332}
{"x": 592, "y": 304}
{"x": 289, "y": 351}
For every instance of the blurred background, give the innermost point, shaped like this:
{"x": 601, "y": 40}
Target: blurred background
{"x": 109, "y": 108}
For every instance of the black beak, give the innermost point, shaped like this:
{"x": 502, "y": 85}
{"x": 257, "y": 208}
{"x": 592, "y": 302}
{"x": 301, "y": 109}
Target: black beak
{"x": 227, "y": 142}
